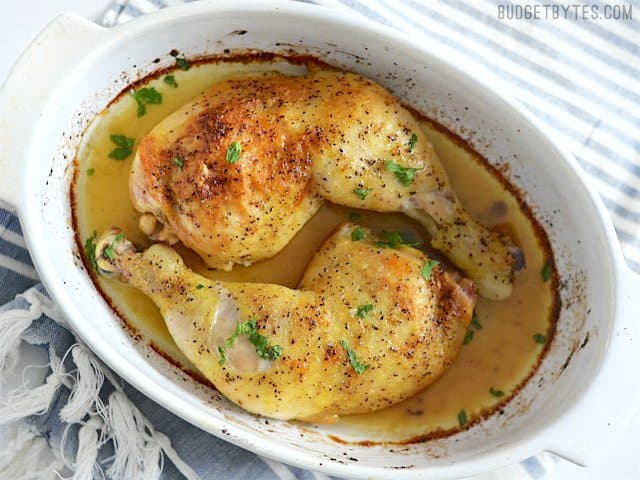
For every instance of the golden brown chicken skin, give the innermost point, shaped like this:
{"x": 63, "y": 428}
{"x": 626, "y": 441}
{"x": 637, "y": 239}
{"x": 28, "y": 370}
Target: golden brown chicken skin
{"x": 367, "y": 328}
{"x": 258, "y": 154}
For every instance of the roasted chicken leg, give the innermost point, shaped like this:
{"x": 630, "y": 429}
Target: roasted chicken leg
{"x": 368, "y": 327}
{"x": 235, "y": 173}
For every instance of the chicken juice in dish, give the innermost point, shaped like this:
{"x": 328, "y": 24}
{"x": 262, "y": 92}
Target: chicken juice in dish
{"x": 504, "y": 341}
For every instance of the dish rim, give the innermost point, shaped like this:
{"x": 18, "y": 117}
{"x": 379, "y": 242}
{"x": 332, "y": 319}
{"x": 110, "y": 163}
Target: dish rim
{"x": 479, "y": 462}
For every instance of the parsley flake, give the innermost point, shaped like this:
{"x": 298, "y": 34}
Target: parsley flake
{"x": 363, "y": 311}
{"x": 394, "y": 240}
{"x": 496, "y": 393}
{"x": 540, "y": 338}
{"x": 250, "y": 328}
{"x": 199, "y": 286}
{"x": 178, "y": 162}
{"x": 183, "y": 63}
{"x": 475, "y": 322}
{"x": 405, "y": 175}
{"x": 353, "y": 359}
{"x": 357, "y": 234}
{"x": 124, "y": 144}
{"x": 412, "y": 142}
{"x": 171, "y": 81}
{"x": 145, "y": 96}
{"x": 362, "y": 192}
{"x": 468, "y": 337}
{"x": 233, "y": 152}
{"x": 223, "y": 356}
{"x": 91, "y": 171}
{"x": 428, "y": 268}
{"x": 546, "y": 272}
{"x": 109, "y": 250}
{"x": 462, "y": 418}
{"x": 90, "y": 249}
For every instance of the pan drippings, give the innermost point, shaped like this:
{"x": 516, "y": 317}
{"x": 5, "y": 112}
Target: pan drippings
{"x": 504, "y": 342}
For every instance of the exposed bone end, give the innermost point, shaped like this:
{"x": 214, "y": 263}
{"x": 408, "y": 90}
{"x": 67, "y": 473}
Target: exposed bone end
{"x": 241, "y": 356}
{"x": 156, "y": 230}
{"x": 483, "y": 254}
{"x": 109, "y": 246}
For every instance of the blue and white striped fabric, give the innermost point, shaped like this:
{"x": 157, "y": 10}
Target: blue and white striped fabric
{"x": 579, "y": 76}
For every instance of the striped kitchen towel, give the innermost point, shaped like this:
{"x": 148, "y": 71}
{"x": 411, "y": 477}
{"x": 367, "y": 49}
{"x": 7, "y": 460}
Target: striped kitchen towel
{"x": 580, "y": 76}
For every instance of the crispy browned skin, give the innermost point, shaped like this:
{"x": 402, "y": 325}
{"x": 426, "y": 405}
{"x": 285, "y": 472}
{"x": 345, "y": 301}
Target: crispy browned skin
{"x": 230, "y": 212}
{"x": 411, "y": 334}
{"x": 326, "y": 135}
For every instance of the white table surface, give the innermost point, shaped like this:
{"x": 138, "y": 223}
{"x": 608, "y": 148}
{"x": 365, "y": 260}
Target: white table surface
{"x": 21, "y": 20}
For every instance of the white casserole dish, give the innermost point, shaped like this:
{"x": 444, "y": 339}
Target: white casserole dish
{"x": 581, "y": 396}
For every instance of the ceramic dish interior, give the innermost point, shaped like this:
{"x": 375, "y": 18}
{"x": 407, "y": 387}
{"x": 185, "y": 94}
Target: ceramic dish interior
{"x": 75, "y": 68}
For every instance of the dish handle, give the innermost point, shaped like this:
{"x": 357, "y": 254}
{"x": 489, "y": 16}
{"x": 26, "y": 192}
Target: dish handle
{"x": 25, "y": 90}
{"x": 594, "y": 427}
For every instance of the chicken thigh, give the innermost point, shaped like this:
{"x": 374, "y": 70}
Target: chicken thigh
{"x": 235, "y": 173}
{"x": 368, "y": 327}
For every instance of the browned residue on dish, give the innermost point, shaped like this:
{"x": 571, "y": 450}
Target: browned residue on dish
{"x": 497, "y": 171}
{"x": 248, "y": 56}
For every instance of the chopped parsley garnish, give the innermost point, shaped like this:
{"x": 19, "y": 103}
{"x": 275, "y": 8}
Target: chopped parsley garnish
{"x": 178, "y": 162}
{"x": 109, "y": 250}
{"x": 171, "y": 81}
{"x": 394, "y": 240}
{"x": 475, "y": 322}
{"x": 91, "y": 171}
{"x": 223, "y": 356}
{"x": 233, "y": 152}
{"x": 357, "y": 234}
{"x": 428, "y": 267}
{"x": 540, "y": 338}
{"x": 145, "y": 96}
{"x": 353, "y": 359}
{"x": 199, "y": 286}
{"x": 250, "y": 328}
{"x": 462, "y": 418}
{"x": 124, "y": 144}
{"x": 405, "y": 175}
{"x": 353, "y": 216}
{"x": 362, "y": 192}
{"x": 496, "y": 393}
{"x": 412, "y": 142}
{"x": 90, "y": 248}
{"x": 468, "y": 337}
{"x": 546, "y": 272}
{"x": 363, "y": 311}
{"x": 183, "y": 63}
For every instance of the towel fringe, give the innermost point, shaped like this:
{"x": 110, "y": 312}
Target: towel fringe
{"x": 89, "y": 442}
{"x": 12, "y": 324}
{"x": 187, "y": 472}
{"x": 27, "y": 455}
{"x": 139, "y": 450}
{"x": 22, "y": 402}
{"x": 85, "y": 391}
{"x": 127, "y": 430}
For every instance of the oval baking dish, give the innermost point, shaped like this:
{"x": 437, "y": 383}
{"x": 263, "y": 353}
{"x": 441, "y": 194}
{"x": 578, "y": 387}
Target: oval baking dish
{"x": 579, "y": 397}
